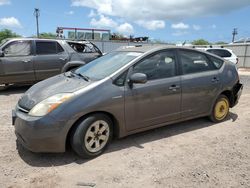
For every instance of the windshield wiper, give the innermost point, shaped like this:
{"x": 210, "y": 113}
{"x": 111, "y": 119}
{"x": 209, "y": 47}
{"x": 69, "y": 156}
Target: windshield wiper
{"x": 86, "y": 78}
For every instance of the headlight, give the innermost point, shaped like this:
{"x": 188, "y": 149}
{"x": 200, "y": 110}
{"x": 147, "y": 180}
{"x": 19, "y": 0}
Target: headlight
{"x": 49, "y": 104}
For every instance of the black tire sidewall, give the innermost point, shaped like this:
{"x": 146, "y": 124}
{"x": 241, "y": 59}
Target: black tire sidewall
{"x": 77, "y": 138}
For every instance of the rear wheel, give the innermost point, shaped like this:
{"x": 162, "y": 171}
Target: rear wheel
{"x": 92, "y": 135}
{"x": 220, "y": 109}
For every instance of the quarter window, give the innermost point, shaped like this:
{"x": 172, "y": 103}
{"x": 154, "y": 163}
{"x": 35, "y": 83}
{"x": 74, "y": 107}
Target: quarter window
{"x": 59, "y": 48}
{"x": 120, "y": 81}
{"x": 158, "y": 66}
{"x": 194, "y": 62}
{"x": 216, "y": 61}
{"x": 18, "y": 48}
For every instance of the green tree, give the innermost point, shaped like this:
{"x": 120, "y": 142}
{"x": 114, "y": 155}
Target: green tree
{"x": 200, "y": 42}
{"x": 47, "y": 35}
{"x": 6, "y": 33}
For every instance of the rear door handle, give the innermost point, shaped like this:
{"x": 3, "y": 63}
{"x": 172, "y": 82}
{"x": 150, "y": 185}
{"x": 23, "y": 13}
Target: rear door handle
{"x": 174, "y": 87}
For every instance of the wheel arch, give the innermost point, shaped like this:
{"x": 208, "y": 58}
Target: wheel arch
{"x": 116, "y": 129}
{"x": 229, "y": 94}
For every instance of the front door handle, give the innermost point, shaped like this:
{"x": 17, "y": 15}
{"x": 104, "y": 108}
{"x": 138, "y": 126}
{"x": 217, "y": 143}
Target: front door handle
{"x": 215, "y": 79}
{"x": 63, "y": 59}
{"x": 174, "y": 87}
{"x": 26, "y": 61}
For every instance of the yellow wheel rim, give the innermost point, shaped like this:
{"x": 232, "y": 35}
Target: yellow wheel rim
{"x": 221, "y": 109}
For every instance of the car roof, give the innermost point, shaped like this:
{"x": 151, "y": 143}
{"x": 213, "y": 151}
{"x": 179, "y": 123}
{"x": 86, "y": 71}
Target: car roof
{"x": 150, "y": 48}
{"x": 147, "y": 49}
{"x": 46, "y": 39}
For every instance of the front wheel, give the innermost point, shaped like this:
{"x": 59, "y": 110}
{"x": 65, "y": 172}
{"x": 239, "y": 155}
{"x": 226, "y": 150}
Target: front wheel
{"x": 92, "y": 135}
{"x": 220, "y": 109}
{"x": 4, "y": 87}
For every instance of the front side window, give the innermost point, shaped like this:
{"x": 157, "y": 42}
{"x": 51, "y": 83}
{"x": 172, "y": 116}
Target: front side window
{"x": 158, "y": 66}
{"x": 18, "y": 48}
{"x": 43, "y": 48}
{"x": 194, "y": 62}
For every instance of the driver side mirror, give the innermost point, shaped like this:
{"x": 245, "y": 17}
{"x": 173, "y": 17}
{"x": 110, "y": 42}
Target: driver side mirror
{"x": 138, "y": 78}
{"x": 1, "y": 53}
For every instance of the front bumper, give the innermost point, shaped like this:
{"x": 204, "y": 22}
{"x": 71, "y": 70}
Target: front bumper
{"x": 39, "y": 134}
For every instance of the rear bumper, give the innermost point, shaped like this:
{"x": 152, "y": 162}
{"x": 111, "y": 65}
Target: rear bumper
{"x": 237, "y": 91}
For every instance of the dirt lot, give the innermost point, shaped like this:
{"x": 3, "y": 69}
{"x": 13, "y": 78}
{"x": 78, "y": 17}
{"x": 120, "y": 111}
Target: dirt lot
{"x": 196, "y": 153}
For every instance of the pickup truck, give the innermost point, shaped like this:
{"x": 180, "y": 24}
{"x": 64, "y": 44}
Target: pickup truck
{"x": 29, "y": 60}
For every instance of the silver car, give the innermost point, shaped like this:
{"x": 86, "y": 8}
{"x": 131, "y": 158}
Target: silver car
{"x": 124, "y": 92}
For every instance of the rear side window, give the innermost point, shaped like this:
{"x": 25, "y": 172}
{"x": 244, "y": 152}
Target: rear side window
{"x": 18, "y": 48}
{"x": 217, "y": 62}
{"x": 43, "y": 48}
{"x": 83, "y": 48}
{"x": 194, "y": 62}
{"x": 220, "y": 52}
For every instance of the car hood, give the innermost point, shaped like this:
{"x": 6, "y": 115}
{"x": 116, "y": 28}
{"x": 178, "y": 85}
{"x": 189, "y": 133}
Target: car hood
{"x": 50, "y": 87}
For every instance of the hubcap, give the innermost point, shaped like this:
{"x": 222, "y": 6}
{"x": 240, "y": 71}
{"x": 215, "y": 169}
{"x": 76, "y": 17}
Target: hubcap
{"x": 221, "y": 109}
{"x": 96, "y": 136}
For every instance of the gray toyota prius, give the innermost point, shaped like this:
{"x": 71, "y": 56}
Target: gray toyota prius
{"x": 126, "y": 91}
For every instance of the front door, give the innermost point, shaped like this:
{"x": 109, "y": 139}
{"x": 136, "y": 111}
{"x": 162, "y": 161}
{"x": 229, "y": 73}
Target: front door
{"x": 158, "y": 100}
{"x": 17, "y": 63}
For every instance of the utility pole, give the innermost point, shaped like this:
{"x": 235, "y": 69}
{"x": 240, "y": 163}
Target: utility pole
{"x": 235, "y": 32}
{"x": 37, "y": 14}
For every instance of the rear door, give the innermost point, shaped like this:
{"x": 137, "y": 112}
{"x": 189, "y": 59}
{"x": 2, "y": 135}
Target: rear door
{"x": 17, "y": 63}
{"x": 200, "y": 82}
{"x": 49, "y": 59}
{"x": 157, "y": 101}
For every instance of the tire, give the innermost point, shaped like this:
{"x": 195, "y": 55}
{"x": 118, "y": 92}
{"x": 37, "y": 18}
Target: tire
{"x": 220, "y": 109}
{"x": 93, "y": 131}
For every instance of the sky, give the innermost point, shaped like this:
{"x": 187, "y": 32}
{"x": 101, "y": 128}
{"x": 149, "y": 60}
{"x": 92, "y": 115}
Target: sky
{"x": 164, "y": 20}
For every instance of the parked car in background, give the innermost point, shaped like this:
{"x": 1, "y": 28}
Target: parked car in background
{"x": 242, "y": 41}
{"x": 28, "y": 60}
{"x": 124, "y": 92}
{"x": 224, "y": 53}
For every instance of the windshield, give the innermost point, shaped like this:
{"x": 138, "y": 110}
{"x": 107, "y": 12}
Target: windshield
{"x": 106, "y": 65}
{"x": 4, "y": 41}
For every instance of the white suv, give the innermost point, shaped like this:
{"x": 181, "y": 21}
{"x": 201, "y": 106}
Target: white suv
{"x": 224, "y": 53}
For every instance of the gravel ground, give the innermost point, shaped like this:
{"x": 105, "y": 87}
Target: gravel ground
{"x": 195, "y": 153}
